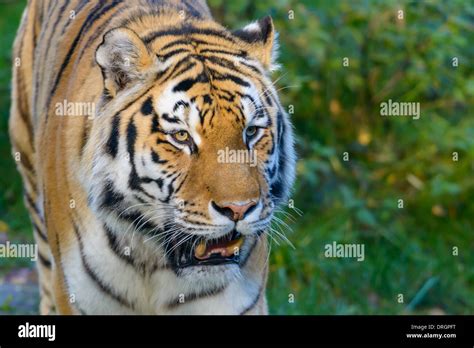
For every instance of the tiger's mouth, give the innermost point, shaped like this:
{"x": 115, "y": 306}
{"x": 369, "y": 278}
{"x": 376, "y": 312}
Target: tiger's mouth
{"x": 205, "y": 252}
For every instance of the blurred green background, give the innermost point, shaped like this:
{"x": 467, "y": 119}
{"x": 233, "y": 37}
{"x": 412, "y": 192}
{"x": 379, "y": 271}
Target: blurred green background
{"x": 408, "y": 250}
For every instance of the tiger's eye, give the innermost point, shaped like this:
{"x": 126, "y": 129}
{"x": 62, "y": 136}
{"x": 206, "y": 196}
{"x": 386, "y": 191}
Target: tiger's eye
{"x": 251, "y": 131}
{"x": 181, "y": 136}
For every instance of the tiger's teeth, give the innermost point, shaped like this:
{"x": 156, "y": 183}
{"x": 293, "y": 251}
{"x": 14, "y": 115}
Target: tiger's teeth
{"x": 200, "y": 249}
{"x": 234, "y": 246}
{"x": 204, "y": 251}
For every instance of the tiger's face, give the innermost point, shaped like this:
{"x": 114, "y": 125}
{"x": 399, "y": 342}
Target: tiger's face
{"x": 195, "y": 149}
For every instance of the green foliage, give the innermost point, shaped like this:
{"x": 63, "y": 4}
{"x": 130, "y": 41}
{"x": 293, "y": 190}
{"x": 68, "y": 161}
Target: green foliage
{"x": 12, "y": 211}
{"x": 408, "y": 250}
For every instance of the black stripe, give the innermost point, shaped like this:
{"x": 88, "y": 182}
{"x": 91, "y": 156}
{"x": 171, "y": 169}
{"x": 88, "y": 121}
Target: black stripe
{"x": 110, "y": 197}
{"x": 278, "y": 187}
{"x": 202, "y": 115}
{"x": 99, "y": 31}
{"x": 254, "y": 68}
{"x": 254, "y": 302}
{"x": 134, "y": 179}
{"x": 77, "y": 10}
{"x": 141, "y": 268}
{"x": 211, "y": 46}
{"x": 277, "y": 190}
{"x": 181, "y": 185}
{"x": 207, "y": 99}
{"x": 115, "y": 247}
{"x": 42, "y": 235}
{"x": 105, "y": 288}
{"x": 172, "y": 53}
{"x": 41, "y": 13}
{"x": 133, "y": 217}
{"x": 267, "y": 97}
{"x": 59, "y": 264}
{"x": 147, "y": 107}
{"x": 59, "y": 16}
{"x": 247, "y": 96}
{"x": 228, "y": 93}
{"x": 90, "y": 20}
{"x": 147, "y": 180}
{"x": 111, "y": 146}
{"x": 167, "y": 74}
{"x": 228, "y": 97}
{"x": 155, "y": 7}
{"x": 272, "y": 149}
{"x": 176, "y": 72}
{"x": 271, "y": 171}
{"x": 226, "y": 64}
{"x": 260, "y": 35}
{"x": 212, "y": 117}
{"x": 156, "y": 158}
{"x": 26, "y": 162}
{"x": 188, "y": 30}
{"x": 39, "y": 21}
{"x": 239, "y": 53}
{"x": 187, "y": 84}
{"x": 280, "y": 126}
{"x": 194, "y": 296}
{"x": 84, "y": 137}
{"x": 48, "y": 46}
{"x": 135, "y": 100}
{"x": 32, "y": 204}
{"x": 22, "y": 108}
{"x": 44, "y": 261}
{"x": 180, "y": 103}
{"x": 225, "y": 77}
{"x": 170, "y": 191}
{"x": 23, "y": 105}
{"x": 155, "y": 123}
{"x": 191, "y": 10}
{"x": 182, "y": 42}
{"x": 139, "y": 199}
{"x": 166, "y": 117}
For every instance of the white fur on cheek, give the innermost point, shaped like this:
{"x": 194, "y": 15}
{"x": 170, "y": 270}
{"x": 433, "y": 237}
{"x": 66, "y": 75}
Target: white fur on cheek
{"x": 189, "y": 120}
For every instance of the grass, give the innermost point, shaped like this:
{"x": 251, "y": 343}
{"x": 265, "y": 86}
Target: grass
{"x": 417, "y": 264}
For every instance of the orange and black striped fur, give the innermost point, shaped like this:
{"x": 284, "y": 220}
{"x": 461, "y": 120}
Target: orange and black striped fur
{"x": 133, "y": 210}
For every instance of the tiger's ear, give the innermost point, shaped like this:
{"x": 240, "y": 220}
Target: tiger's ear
{"x": 262, "y": 41}
{"x": 123, "y": 58}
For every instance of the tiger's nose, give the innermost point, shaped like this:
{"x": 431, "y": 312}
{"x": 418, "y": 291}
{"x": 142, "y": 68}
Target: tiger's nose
{"x": 235, "y": 212}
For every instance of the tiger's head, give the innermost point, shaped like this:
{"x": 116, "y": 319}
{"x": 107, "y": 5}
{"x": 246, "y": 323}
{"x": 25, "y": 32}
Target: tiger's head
{"x": 193, "y": 148}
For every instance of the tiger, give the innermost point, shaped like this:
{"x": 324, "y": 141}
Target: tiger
{"x": 127, "y": 121}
